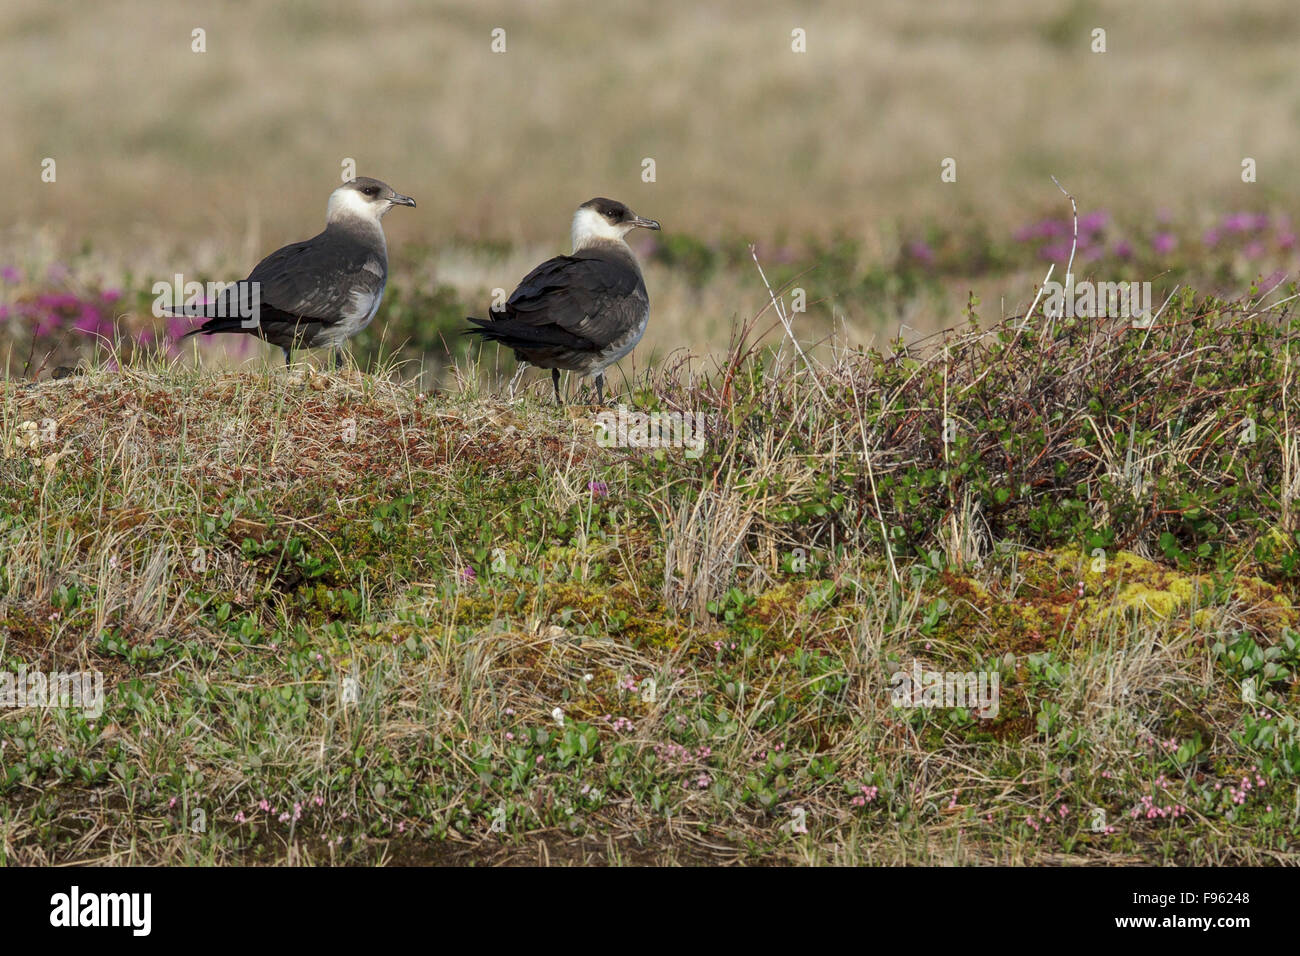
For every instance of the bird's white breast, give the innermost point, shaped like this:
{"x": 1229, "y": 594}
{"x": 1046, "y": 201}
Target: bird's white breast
{"x": 367, "y": 304}
{"x": 366, "y": 300}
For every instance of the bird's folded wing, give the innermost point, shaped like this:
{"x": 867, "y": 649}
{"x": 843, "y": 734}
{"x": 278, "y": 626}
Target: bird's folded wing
{"x": 586, "y": 297}
{"x": 320, "y": 281}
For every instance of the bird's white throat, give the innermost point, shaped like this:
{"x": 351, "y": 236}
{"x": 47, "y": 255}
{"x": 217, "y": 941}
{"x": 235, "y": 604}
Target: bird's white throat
{"x": 590, "y": 226}
{"x": 346, "y": 202}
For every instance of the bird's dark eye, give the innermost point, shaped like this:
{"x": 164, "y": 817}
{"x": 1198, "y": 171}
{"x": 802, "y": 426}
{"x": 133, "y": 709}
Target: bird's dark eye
{"x": 371, "y": 191}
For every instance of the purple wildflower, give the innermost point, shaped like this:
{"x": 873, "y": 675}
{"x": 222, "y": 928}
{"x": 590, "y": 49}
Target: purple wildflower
{"x": 177, "y": 327}
{"x": 1093, "y": 221}
{"x": 921, "y": 252}
{"x": 88, "y": 321}
{"x": 1236, "y": 222}
{"x": 1044, "y": 229}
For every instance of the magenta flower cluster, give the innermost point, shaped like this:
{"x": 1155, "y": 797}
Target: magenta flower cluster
{"x": 1055, "y": 237}
{"x": 49, "y": 313}
{"x": 1254, "y": 235}
{"x": 867, "y": 795}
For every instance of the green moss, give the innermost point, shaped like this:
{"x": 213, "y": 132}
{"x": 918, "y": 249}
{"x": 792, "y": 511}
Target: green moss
{"x": 1125, "y": 588}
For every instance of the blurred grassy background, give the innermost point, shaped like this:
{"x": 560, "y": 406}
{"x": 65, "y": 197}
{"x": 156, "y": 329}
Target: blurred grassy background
{"x": 169, "y": 160}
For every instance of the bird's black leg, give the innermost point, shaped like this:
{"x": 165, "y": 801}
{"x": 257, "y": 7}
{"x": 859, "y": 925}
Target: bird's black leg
{"x": 555, "y": 380}
{"x": 338, "y": 358}
{"x": 600, "y": 388}
{"x": 286, "y": 358}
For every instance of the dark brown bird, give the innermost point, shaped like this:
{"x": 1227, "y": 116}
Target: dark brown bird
{"x": 581, "y": 312}
{"x": 319, "y": 292}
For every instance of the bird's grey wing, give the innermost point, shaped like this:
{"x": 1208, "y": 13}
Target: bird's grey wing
{"x": 585, "y": 297}
{"x": 322, "y": 281}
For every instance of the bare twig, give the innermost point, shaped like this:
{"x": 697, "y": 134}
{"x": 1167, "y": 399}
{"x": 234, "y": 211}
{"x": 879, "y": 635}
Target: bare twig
{"x": 1074, "y": 244}
{"x": 785, "y": 321}
{"x": 1069, "y": 266}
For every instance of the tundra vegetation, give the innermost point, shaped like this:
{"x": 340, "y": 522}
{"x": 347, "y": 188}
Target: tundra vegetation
{"x": 359, "y": 618}
{"x": 397, "y": 615}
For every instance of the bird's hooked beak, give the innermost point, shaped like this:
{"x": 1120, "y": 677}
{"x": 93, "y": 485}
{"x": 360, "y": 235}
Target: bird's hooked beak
{"x": 645, "y": 223}
{"x": 398, "y": 199}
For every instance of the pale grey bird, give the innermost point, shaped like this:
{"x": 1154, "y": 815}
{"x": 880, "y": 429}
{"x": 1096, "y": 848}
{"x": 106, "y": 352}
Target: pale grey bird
{"x": 581, "y": 312}
{"x": 320, "y": 292}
